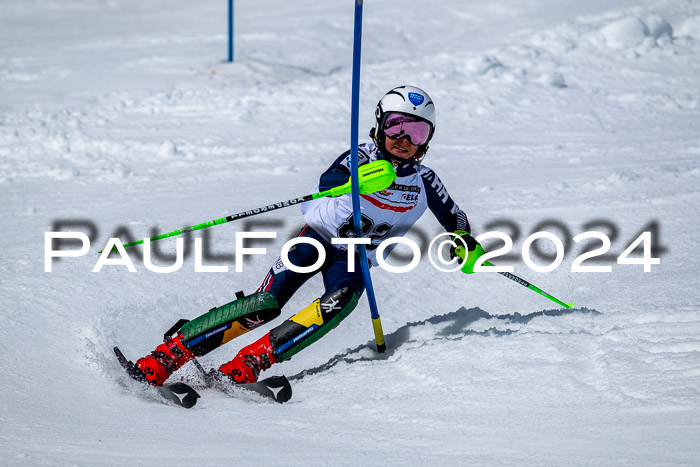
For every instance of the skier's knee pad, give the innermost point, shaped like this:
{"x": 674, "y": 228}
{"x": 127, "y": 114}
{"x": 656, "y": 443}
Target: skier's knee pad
{"x": 220, "y": 325}
{"x": 312, "y": 323}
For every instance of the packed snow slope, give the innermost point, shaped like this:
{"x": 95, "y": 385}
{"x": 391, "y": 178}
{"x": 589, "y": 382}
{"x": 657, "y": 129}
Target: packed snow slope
{"x": 124, "y": 116}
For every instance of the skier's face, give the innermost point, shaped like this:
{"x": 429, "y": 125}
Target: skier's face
{"x": 400, "y": 147}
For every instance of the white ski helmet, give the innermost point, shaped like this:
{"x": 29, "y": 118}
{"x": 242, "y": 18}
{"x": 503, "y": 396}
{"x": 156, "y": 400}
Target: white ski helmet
{"x": 407, "y": 100}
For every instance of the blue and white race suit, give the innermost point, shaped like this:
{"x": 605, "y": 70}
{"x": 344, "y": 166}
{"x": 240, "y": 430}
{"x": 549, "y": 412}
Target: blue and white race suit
{"x": 385, "y": 214}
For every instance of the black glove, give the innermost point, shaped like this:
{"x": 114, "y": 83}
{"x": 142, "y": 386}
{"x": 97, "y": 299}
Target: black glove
{"x": 466, "y": 238}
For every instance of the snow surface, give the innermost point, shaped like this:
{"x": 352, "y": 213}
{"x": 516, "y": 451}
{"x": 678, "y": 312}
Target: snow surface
{"x": 125, "y": 114}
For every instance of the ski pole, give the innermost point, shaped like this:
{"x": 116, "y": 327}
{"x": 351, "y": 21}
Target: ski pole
{"x": 375, "y": 176}
{"x": 525, "y": 283}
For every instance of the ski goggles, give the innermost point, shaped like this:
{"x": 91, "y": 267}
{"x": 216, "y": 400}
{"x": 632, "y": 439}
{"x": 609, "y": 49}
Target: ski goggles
{"x": 397, "y": 126}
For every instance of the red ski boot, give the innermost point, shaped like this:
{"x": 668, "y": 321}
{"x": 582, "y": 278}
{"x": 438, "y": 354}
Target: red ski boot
{"x": 163, "y": 361}
{"x": 250, "y": 360}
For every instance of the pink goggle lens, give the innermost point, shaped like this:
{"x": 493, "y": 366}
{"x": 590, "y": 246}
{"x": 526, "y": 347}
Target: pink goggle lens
{"x": 397, "y": 126}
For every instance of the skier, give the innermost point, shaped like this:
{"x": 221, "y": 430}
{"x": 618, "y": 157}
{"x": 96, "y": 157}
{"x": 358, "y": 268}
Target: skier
{"x": 405, "y": 124}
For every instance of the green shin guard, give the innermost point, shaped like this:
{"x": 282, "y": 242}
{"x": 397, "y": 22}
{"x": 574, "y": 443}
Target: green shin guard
{"x": 221, "y": 324}
{"x": 312, "y": 323}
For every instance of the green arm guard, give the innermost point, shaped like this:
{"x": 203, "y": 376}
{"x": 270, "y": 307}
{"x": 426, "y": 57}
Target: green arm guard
{"x": 470, "y": 254}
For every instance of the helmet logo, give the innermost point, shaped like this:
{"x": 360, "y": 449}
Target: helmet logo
{"x": 415, "y": 98}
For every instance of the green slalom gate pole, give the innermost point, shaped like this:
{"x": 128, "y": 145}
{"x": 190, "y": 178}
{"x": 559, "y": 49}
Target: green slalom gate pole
{"x": 525, "y": 283}
{"x": 372, "y": 177}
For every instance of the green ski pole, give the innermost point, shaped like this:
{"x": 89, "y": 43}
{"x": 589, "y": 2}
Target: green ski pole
{"x": 525, "y": 283}
{"x": 375, "y": 176}
{"x": 469, "y": 263}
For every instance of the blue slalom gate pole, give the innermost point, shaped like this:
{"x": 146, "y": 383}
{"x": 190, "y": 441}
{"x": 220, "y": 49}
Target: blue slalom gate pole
{"x": 230, "y": 30}
{"x": 354, "y": 126}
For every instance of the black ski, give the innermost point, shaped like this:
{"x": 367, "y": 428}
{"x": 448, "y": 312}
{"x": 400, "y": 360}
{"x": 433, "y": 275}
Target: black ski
{"x": 178, "y": 393}
{"x": 276, "y": 388}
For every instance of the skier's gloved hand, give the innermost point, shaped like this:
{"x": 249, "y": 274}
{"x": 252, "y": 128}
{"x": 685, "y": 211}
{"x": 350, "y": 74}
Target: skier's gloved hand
{"x": 472, "y": 252}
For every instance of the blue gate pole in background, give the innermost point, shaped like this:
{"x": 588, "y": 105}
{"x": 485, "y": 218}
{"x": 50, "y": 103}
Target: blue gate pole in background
{"x": 230, "y": 30}
{"x": 354, "y": 126}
